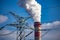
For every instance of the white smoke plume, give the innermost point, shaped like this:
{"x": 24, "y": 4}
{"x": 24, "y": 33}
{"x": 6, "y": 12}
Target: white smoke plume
{"x": 33, "y": 8}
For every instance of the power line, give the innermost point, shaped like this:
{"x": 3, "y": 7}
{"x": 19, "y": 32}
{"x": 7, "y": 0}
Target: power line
{"x": 7, "y": 33}
{"x": 29, "y": 33}
{"x": 2, "y": 27}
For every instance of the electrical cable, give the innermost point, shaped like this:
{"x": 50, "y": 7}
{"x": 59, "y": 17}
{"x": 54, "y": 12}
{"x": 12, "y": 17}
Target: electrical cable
{"x": 7, "y": 33}
{"x": 29, "y": 33}
{"x": 45, "y": 33}
{"x": 50, "y": 30}
{"x": 3, "y": 27}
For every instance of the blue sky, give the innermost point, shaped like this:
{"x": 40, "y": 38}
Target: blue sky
{"x": 50, "y": 11}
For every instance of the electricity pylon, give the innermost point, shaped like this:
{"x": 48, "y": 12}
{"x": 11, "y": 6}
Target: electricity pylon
{"x": 20, "y": 24}
{"x": 21, "y": 21}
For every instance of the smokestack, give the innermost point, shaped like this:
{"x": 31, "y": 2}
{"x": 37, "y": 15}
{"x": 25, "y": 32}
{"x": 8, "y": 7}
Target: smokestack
{"x": 37, "y": 31}
{"x": 34, "y": 9}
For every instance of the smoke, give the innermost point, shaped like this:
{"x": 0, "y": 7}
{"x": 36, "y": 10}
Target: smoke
{"x": 33, "y": 8}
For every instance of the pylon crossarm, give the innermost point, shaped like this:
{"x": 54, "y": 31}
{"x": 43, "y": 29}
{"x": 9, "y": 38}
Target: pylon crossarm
{"x": 12, "y": 24}
{"x": 15, "y": 15}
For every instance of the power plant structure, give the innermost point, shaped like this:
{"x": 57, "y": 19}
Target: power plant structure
{"x": 37, "y": 33}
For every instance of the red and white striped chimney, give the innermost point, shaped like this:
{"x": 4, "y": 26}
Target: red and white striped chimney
{"x": 37, "y": 33}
